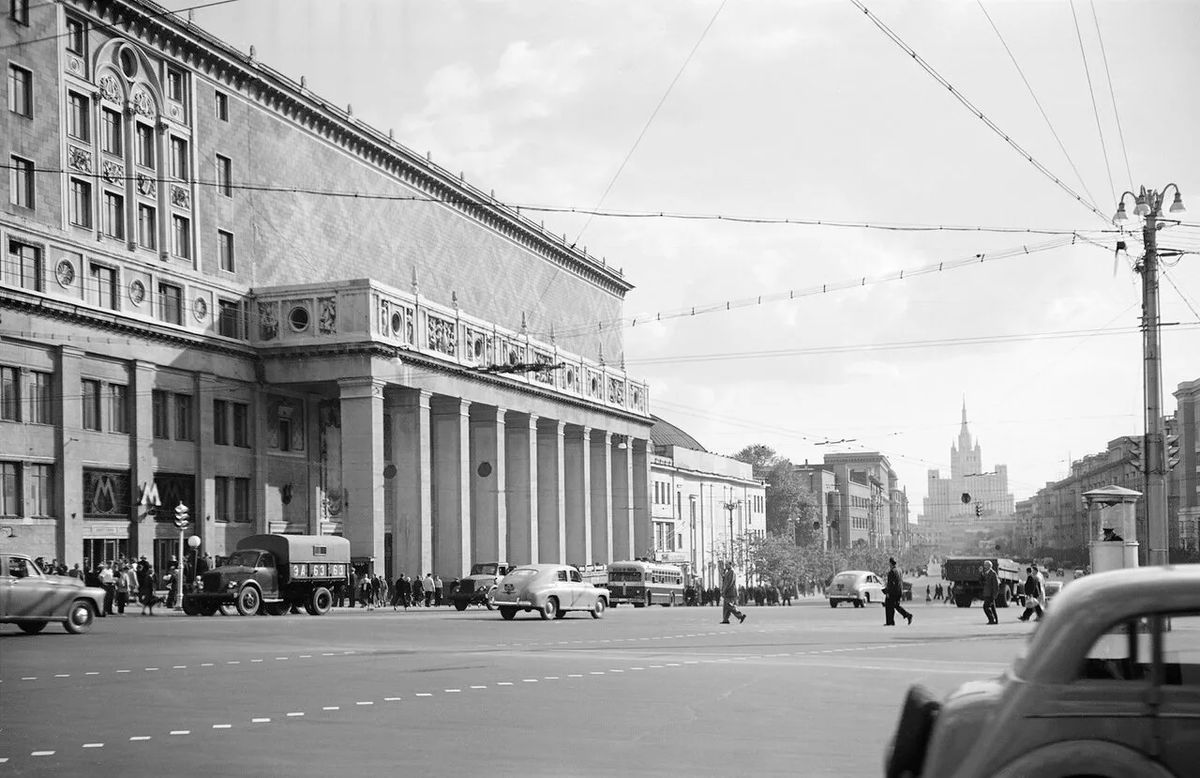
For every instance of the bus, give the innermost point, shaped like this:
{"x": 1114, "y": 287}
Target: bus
{"x": 645, "y": 583}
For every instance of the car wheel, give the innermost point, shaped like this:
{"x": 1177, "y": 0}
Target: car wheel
{"x": 208, "y": 609}
{"x": 189, "y": 607}
{"x": 80, "y": 617}
{"x": 858, "y": 603}
{"x": 917, "y": 717}
{"x": 248, "y": 601}
{"x": 490, "y": 602}
{"x": 598, "y": 611}
{"x": 508, "y": 613}
{"x": 833, "y": 603}
{"x": 461, "y": 605}
{"x": 31, "y": 627}
{"x": 550, "y": 609}
{"x": 320, "y": 601}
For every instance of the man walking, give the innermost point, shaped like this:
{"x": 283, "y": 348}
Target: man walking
{"x": 991, "y": 588}
{"x": 729, "y": 593}
{"x": 1034, "y": 591}
{"x": 893, "y": 593}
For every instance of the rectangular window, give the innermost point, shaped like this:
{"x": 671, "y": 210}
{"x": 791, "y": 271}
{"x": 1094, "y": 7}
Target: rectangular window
{"x": 20, "y": 90}
{"x": 10, "y": 495}
{"x": 112, "y": 132}
{"x": 76, "y": 37}
{"x": 41, "y": 489}
{"x": 81, "y": 203}
{"x": 10, "y": 394}
{"x": 20, "y": 182}
{"x": 25, "y": 265}
{"x": 102, "y": 286}
{"x": 222, "y": 106}
{"x": 145, "y": 146}
{"x": 79, "y": 118}
{"x": 147, "y": 227}
{"x": 220, "y": 423}
{"x": 118, "y": 408}
{"x": 41, "y": 411}
{"x": 241, "y": 499}
{"x": 221, "y": 498}
{"x": 225, "y": 246}
{"x": 241, "y": 425}
{"x": 225, "y": 175}
{"x": 181, "y": 236}
{"x": 114, "y": 215}
{"x": 170, "y": 303}
{"x": 19, "y": 11}
{"x": 228, "y": 319}
{"x": 91, "y": 404}
{"x": 284, "y": 429}
{"x": 183, "y": 417}
{"x": 175, "y": 85}
{"x": 179, "y": 158}
{"x": 160, "y": 414}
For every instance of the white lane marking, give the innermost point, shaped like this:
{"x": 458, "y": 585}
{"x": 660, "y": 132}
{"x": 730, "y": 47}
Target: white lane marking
{"x": 222, "y": 726}
{"x": 327, "y": 653}
{"x": 42, "y": 753}
{"x": 3, "y": 759}
{"x": 672, "y": 664}
{"x": 34, "y": 677}
{"x": 92, "y": 673}
{"x": 391, "y": 699}
{"x": 692, "y": 662}
{"x": 424, "y": 694}
{"x": 597, "y": 672}
{"x": 140, "y": 737}
{"x": 550, "y": 678}
{"x": 347, "y": 652}
{"x": 306, "y": 656}
{"x": 529, "y": 680}
{"x": 364, "y": 702}
{"x": 637, "y": 668}
{"x": 179, "y": 667}
{"x": 151, "y": 669}
{"x": 478, "y": 687}
{"x": 280, "y": 658}
{"x": 332, "y": 707}
{"x": 233, "y": 663}
{"x": 181, "y": 732}
{"x": 123, "y": 671}
{"x": 452, "y": 691}
{"x": 260, "y": 721}
{"x": 93, "y": 745}
{"x": 574, "y": 675}
{"x": 255, "y": 660}
{"x": 616, "y": 671}
{"x": 297, "y": 713}
{"x": 63, "y": 675}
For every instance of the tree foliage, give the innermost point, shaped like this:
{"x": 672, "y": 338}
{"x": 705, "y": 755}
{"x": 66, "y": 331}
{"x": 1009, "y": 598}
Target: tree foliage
{"x": 789, "y": 504}
{"x": 777, "y": 560}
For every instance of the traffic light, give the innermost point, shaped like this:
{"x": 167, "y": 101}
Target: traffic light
{"x": 1172, "y": 452}
{"x": 1135, "y": 453}
{"x": 978, "y": 509}
{"x": 181, "y": 515}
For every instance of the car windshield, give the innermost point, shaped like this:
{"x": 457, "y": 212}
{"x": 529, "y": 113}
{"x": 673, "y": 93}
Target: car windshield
{"x": 523, "y": 572}
{"x": 242, "y": 559}
{"x": 487, "y": 569}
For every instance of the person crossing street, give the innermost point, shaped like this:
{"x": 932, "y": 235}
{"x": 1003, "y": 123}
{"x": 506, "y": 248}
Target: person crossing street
{"x": 893, "y": 593}
{"x": 729, "y": 593}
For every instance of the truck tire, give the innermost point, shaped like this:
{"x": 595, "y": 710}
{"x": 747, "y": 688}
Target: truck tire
{"x": 208, "y": 609}
{"x": 917, "y": 718}
{"x": 189, "y": 607}
{"x": 1004, "y": 597}
{"x": 962, "y": 602}
{"x": 32, "y": 627}
{"x": 460, "y": 604}
{"x": 320, "y": 601}
{"x": 248, "y": 601}
{"x": 277, "y": 608}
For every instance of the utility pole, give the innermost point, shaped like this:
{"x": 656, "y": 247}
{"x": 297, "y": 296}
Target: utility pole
{"x": 1149, "y": 205}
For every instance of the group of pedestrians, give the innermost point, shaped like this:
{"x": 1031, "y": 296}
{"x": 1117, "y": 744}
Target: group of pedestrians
{"x": 1034, "y": 590}
{"x": 372, "y": 590}
{"x": 123, "y": 582}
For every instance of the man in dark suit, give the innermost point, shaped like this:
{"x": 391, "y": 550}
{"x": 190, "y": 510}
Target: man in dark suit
{"x": 893, "y": 593}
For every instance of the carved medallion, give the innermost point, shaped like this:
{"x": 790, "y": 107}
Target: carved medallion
{"x": 146, "y": 185}
{"x": 180, "y": 197}
{"x": 142, "y": 103}
{"x": 200, "y": 309}
{"x": 110, "y": 88}
{"x": 74, "y": 65}
{"x": 137, "y": 292}
{"x": 64, "y": 272}
{"x": 113, "y": 172}
{"x": 80, "y": 159}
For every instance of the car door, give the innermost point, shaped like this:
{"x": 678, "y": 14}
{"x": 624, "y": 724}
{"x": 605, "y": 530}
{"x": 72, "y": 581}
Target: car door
{"x": 1178, "y": 716}
{"x": 28, "y": 593}
{"x": 579, "y": 594}
{"x": 5, "y": 583}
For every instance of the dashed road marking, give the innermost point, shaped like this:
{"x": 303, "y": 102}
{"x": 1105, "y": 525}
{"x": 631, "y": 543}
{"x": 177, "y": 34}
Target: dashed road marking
{"x": 478, "y": 687}
{"x": 179, "y": 667}
{"x": 260, "y": 721}
{"x": 181, "y": 732}
{"x": 63, "y": 675}
{"x": 140, "y": 737}
{"x": 504, "y": 683}
{"x": 93, "y": 745}
{"x": 332, "y": 707}
{"x": 222, "y": 726}
{"x": 93, "y": 672}
{"x": 452, "y": 691}
{"x": 391, "y": 699}
{"x": 427, "y": 694}
{"x": 364, "y": 702}
{"x": 151, "y": 669}
{"x": 294, "y": 714}
{"x": 42, "y": 753}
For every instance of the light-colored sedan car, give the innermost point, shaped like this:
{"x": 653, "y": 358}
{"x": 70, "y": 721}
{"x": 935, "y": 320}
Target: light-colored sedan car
{"x": 552, "y": 590}
{"x": 31, "y": 599}
{"x": 857, "y": 586}
{"x": 1107, "y": 686}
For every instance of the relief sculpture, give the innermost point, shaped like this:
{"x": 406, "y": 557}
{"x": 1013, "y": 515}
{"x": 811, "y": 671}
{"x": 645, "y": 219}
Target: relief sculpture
{"x": 327, "y": 323}
{"x": 268, "y": 321}
{"x": 441, "y": 336}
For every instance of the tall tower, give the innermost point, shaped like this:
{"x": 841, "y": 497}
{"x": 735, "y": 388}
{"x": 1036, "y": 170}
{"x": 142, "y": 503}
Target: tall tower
{"x": 965, "y": 458}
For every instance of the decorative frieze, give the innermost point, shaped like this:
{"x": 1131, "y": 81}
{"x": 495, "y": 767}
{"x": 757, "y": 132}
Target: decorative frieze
{"x": 110, "y": 89}
{"x": 327, "y": 321}
{"x": 80, "y": 159}
{"x": 146, "y": 185}
{"x": 180, "y": 196}
{"x": 442, "y": 337}
{"x": 143, "y": 103}
{"x": 113, "y": 172}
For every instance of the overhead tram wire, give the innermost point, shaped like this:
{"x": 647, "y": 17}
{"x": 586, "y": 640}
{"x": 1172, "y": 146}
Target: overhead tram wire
{"x": 933, "y": 73}
{"x": 1111, "y": 93}
{"x": 1037, "y": 102}
{"x": 1092, "y": 94}
{"x": 111, "y": 25}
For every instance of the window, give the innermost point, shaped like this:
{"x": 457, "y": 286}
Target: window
{"x": 284, "y": 427}
{"x": 160, "y": 414}
{"x": 20, "y": 90}
{"x": 91, "y": 404}
{"x": 183, "y": 417}
{"x": 76, "y": 37}
{"x": 241, "y": 425}
{"x": 147, "y": 227}
{"x": 10, "y": 394}
{"x": 179, "y": 158}
{"x": 228, "y": 319}
{"x": 222, "y": 106}
{"x": 118, "y": 408}
{"x": 221, "y": 498}
{"x": 220, "y": 423}
{"x": 241, "y": 499}
{"x": 145, "y": 146}
{"x": 1181, "y": 651}
{"x": 41, "y": 490}
{"x": 112, "y": 133}
{"x": 40, "y": 409}
{"x": 175, "y": 85}
{"x": 181, "y": 236}
{"x": 79, "y": 118}
{"x": 81, "y": 203}
{"x": 20, "y": 182}
{"x": 114, "y": 215}
{"x": 225, "y": 176}
{"x": 102, "y": 289}
{"x": 10, "y": 495}
{"x": 170, "y": 303}
{"x": 19, "y": 10}
{"x": 24, "y": 265}
{"x": 225, "y": 245}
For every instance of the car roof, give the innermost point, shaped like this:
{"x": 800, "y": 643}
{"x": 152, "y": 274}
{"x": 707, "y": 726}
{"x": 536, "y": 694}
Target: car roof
{"x": 854, "y": 572}
{"x": 542, "y": 567}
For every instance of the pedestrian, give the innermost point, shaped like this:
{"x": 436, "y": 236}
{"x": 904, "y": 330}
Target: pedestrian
{"x": 928, "y": 594}
{"x": 146, "y": 595}
{"x": 893, "y": 593}
{"x": 1033, "y": 595}
{"x": 438, "y": 587}
{"x": 122, "y": 586}
{"x": 729, "y": 593}
{"x": 991, "y": 588}
{"x": 109, "y": 583}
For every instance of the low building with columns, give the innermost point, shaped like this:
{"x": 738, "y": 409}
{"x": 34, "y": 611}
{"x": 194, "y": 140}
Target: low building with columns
{"x": 198, "y": 306}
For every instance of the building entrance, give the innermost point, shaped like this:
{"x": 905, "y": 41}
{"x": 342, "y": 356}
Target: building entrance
{"x": 97, "y": 550}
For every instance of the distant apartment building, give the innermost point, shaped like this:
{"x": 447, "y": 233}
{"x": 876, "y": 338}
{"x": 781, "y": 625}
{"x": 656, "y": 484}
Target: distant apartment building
{"x": 864, "y": 506}
{"x": 1185, "y": 480}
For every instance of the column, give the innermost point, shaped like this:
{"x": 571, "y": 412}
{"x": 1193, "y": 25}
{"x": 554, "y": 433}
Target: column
{"x": 260, "y": 434}
{"x": 141, "y": 442}
{"x": 451, "y": 435}
{"x": 411, "y": 486}
{"x": 70, "y": 470}
{"x": 552, "y": 535}
{"x": 361, "y": 401}
{"x": 489, "y": 510}
{"x": 602, "y": 497}
{"x": 577, "y": 488}
{"x": 521, "y": 487}
{"x": 206, "y": 452}
{"x": 643, "y": 528}
{"x": 622, "y": 511}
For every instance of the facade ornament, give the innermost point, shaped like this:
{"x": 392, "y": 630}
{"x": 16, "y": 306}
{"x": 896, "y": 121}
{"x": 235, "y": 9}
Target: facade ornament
{"x": 180, "y": 197}
{"x": 80, "y": 159}
{"x": 253, "y": 54}
{"x": 304, "y": 82}
{"x": 143, "y": 104}
{"x": 454, "y": 300}
{"x": 113, "y": 172}
{"x": 327, "y": 322}
{"x": 552, "y": 340}
{"x": 110, "y": 88}
{"x": 200, "y": 309}
{"x": 146, "y": 185}
{"x": 524, "y": 325}
{"x": 268, "y": 321}
{"x": 137, "y": 292}
{"x": 64, "y": 273}
{"x": 416, "y": 289}
{"x": 601, "y": 355}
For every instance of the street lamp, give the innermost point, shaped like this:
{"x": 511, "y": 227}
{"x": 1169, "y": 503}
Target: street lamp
{"x": 730, "y": 506}
{"x": 1148, "y": 204}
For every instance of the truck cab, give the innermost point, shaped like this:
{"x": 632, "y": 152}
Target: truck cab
{"x": 479, "y": 586}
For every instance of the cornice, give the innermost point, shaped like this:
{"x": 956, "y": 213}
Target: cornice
{"x": 204, "y": 52}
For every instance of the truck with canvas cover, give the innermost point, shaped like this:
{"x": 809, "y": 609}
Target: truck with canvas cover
{"x": 275, "y": 573}
{"x": 965, "y": 575}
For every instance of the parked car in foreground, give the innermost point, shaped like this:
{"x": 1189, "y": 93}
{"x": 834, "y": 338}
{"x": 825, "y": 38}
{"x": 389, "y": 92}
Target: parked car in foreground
{"x": 857, "y": 586}
{"x": 1107, "y": 686}
{"x": 31, "y": 599}
{"x": 552, "y": 590}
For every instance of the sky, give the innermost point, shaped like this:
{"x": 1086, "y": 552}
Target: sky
{"x": 806, "y": 110}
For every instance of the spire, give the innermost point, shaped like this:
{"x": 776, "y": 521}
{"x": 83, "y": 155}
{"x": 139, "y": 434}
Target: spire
{"x": 964, "y": 410}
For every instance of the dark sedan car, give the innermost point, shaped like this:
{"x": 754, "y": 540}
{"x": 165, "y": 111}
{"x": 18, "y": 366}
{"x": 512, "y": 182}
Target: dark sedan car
{"x": 31, "y": 599}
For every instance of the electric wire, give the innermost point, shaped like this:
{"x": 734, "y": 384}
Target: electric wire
{"x": 1092, "y": 93}
{"x": 111, "y": 25}
{"x": 1111, "y": 93}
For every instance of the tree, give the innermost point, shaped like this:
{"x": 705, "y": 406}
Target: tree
{"x": 789, "y": 505}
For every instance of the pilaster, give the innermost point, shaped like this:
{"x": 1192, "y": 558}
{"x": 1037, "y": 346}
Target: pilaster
{"x": 602, "y": 496}
{"x": 552, "y": 535}
{"x": 206, "y": 487}
{"x": 141, "y": 441}
{"x": 411, "y": 487}
{"x": 577, "y": 467}
{"x": 451, "y": 486}
{"x": 361, "y": 401}
{"x": 489, "y": 522}
{"x": 521, "y": 487}
{"x": 69, "y": 414}
{"x": 643, "y": 527}
{"x": 622, "y": 480}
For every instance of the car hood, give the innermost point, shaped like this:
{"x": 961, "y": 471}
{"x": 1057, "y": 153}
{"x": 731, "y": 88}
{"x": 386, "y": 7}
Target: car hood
{"x": 65, "y": 580}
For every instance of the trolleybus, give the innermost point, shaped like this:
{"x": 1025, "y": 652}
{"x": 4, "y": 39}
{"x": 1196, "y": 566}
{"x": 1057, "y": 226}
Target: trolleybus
{"x": 645, "y": 583}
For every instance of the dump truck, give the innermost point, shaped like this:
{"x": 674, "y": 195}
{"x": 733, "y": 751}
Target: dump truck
{"x": 965, "y": 575}
{"x": 275, "y": 574}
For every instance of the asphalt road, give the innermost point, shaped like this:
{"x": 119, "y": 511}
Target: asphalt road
{"x": 805, "y": 690}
